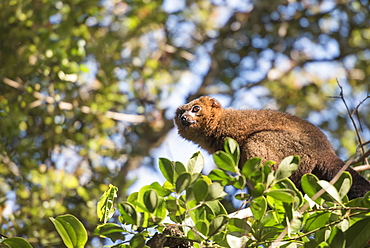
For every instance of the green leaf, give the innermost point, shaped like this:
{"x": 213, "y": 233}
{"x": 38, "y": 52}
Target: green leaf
{"x": 196, "y": 163}
{"x": 310, "y": 186}
{"x": 232, "y": 148}
{"x": 71, "y": 230}
{"x": 151, "y": 200}
{"x": 137, "y": 241}
{"x": 182, "y": 182}
{"x": 160, "y": 212}
{"x": 202, "y": 226}
{"x": 167, "y": 169}
{"x": 258, "y": 206}
{"x": 192, "y": 235}
{"x": 331, "y": 190}
{"x": 216, "y": 207}
{"x": 221, "y": 239}
{"x": 220, "y": 176}
{"x": 217, "y": 224}
{"x": 242, "y": 196}
{"x": 285, "y": 195}
{"x": 179, "y": 168}
{"x": 215, "y": 191}
{"x": 133, "y": 197}
{"x": 200, "y": 190}
{"x": 225, "y": 161}
{"x": 358, "y": 235}
{"x": 236, "y": 242}
{"x": 16, "y": 242}
{"x": 195, "y": 177}
{"x": 171, "y": 205}
{"x": 336, "y": 238}
{"x": 250, "y": 167}
{"x": 110, "y": 230}
{"x": 128, "y": 213}
{"x": 238, "y": 225}
{"x": 160, "y": 189}
{"x": 315, "y": 220}
{"x": 105, "y": 209}
{"x": 343, "y": 184}
{"x": 258, "y": 190}
{"x": 288, "y": 184}
{"x": 286, "y": 168}
{"x": 240, "y": 182}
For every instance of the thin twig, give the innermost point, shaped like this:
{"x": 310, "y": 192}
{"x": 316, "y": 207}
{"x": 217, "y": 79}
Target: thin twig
{"x": 355, "y": 111}
{"x": 350, "y": 115}
{"x": 364, "y": 155}
{"x": 361, "y": 167}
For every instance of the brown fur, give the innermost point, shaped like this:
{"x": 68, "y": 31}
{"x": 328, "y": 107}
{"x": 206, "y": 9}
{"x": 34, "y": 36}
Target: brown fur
{"x": 268, "y": 134}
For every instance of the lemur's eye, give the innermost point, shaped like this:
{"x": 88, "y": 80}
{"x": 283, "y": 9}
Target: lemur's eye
{"x": 195, "y": 109}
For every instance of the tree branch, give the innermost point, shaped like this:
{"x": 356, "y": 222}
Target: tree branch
{"x": 69, "y": 106}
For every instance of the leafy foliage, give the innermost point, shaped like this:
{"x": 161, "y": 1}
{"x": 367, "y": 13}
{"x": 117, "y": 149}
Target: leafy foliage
{"x": 282, "y": 217}
{"x": 85, "y": 88}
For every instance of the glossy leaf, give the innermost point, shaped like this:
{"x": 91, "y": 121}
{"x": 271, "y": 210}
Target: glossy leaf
{"x": 242, "y": 196}
{"x": 310, "y": 185}
{"x": 288, "y": 184}
{"x": 71, "y": 230}
{"x": 160, "y": 212}
{"x": 336, "y": 238}
{"x": 258, "y": 206}
{"x": 217, "y": 224}
{"x": 258, "y": 190}
{"x": 331, "y": 190}
{"x": 137, "y": 241}
{"x": 358, "y": 235}
{"x": 224, "y": 161}
{"x": 179, "y": 168}
{"x": 216, "y": 207}
{"x": 316, "y": 220}
{"x": 232, "y": 148}
{"x": 215, "y": 191}
{"x": 200, "y": 190}
{"x": 183, "y": 182}
{"x": 236, "y": 242}
{"x": 202, "y": 226}
{"x": 162, "y": 191}
{"x": 196, "y": 163}
{"x": 284, "y": 195}
{"x": 151, "y": 200}
{"x": 128, "y": 213}
{"x": 286, "y": 168}
{"x": 110, "y": 230}
{"x": 238, "y": 225}
{"x": 240, "y": 182}
{"x": 16, "y": 242}
{"x": 343, "y": 184}
{"x": 167, "y": 169}
{"x": 105, "y": 208}
{"x": 251, "y": 166}
{"x": 220, "y": 176}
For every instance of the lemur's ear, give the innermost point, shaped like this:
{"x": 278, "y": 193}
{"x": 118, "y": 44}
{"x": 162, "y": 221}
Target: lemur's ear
{"x": 215, "y": 103}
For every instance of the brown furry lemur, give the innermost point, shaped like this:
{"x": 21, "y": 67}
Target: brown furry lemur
{"x": 268, "y": 134}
